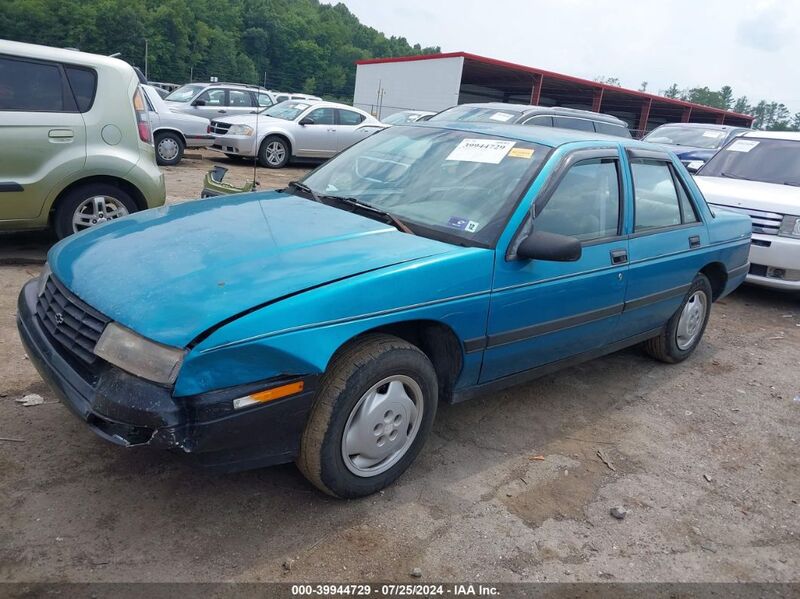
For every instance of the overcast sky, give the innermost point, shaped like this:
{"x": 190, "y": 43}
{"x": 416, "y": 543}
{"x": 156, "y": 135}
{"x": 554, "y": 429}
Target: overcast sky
{"x": 751, "y": 46}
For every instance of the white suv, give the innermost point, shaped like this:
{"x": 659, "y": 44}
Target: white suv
{"x": 758, "y": 174}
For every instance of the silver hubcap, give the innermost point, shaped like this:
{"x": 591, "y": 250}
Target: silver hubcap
{"x": 168, "y": 149}
{"x": 691, "y": 321}
{"x": 275, "y": 152}
{"x": 382, "y": 426}
{"x": 96, "y": 210}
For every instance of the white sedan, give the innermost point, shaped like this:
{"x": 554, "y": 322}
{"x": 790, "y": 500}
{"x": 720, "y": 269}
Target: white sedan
{"x": 295, "y": 128}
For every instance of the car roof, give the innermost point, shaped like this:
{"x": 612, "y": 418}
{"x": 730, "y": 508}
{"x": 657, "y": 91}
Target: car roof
{"x": 326, "y": 104}
{"x": 712, "y": 126}
{"x": 527, "y": 109}
{"x": 784, "y": 135}
{"x": 545, "y": 136}
{"x": 65, "y": 55}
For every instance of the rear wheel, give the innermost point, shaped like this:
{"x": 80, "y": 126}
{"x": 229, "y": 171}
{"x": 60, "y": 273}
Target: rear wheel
{"x": 374, "y": 411}
{"x": 90, "y": 205}
{"x": 274, "y": 152}
{"x": 169, "y": 148}
{"x": 684, "y": 330}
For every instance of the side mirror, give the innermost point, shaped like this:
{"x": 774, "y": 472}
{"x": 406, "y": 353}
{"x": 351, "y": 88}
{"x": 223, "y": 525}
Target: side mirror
{"x": 541, "y": 245}
{"x": 199, "y": 103}
{"x": 306, "y": 121}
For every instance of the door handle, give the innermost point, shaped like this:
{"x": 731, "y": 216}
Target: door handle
{"x": 61, "y": 134}
{"x": 222, "y": 111}
{"x": 619, "y": 256}
{"x": 694, "y": 241}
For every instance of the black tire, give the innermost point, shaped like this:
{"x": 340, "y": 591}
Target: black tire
{"x": 263, "y": 152}
{"x": 665, "y": 347}
{"x": 71, "y": 201}
{"x": 353, "y": 371}
{"x": 168, "y": 137}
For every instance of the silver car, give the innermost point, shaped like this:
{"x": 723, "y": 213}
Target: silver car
{"x": 173, "y": 131}
{"x": 214, "y": 100}
{"x": 295, "y": 128}
{"x": 406, "y": 117}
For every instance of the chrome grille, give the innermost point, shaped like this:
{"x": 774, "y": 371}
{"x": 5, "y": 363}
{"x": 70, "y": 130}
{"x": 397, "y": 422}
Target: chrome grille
{"x": 767, "y": 223}
{"x": 73, "y": 324}
{"x": 218, "y": 128}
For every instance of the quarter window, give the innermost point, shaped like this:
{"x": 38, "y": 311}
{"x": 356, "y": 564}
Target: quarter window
{"x": 264, "y": 100}
{"x": 348, "y": 117}
{"x": 83, "y": 83}
{"x": 656, "y": 199}
{"x": 322, "y": 116}
{"x": 32, "y": 86}
{"x": 586, "y": 203}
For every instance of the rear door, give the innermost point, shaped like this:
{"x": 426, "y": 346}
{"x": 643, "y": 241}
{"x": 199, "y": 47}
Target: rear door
{"x": 542, "y": 312}
{"x": 319, "y": 138}
{"x": 349, "y": 129}
{"x": 240, "y": 101}
{"x": 667, "y": 245}
{"x": 42, "y": 132}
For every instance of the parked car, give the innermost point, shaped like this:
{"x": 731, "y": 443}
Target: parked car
{"x": 406, "y": 117}
{"x": 758, "y": 174}
{"x": 174, "y": 131}
{"x": 75, "y": 140}
{"x": 693, "y": 143}
{"x": 323, "y": 323}
{"x": 295, "y": 128}
{"x": 541, "y": 116}
{"x": 213, "y": 100}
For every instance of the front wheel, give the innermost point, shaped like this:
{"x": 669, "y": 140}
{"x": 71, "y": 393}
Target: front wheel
{"x": 685, "y": 328}
{"x": 373, "y": 412}
{"x": 274, "y": 152}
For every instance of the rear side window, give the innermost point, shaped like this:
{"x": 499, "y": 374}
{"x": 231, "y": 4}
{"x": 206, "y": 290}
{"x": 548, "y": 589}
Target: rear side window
{"x": 609, "y": 129}
{"x": 348, "y": 117}
{"x": 570, "y": 123}
{"x": 83, "y": 83}
{"x": 659, "y": 200}
{"x": 239, "y": 98}
{"x": 32, "y": 86}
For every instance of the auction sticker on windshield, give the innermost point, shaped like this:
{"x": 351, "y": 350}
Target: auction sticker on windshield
{"x": 742, "y": 145}
{"x": 490, "y": 151}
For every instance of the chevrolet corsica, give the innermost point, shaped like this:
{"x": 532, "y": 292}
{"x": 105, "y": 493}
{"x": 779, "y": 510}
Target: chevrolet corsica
{"x": 322, "y": 323}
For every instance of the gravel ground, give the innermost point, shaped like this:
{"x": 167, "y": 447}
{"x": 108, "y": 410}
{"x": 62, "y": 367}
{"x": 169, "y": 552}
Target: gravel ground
{"x": 703, "y": 455}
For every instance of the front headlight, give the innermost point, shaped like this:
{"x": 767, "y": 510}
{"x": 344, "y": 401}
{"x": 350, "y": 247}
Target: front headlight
{"x": 137, "y": 355}
{"x": 790, "y": 227}
{"x": 240, "y": 130}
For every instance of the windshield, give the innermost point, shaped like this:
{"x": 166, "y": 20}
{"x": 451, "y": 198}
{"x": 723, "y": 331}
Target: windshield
{"x": 766, "y": 160}
{"x": 695, "y": 137}
{"x": 288, "y": 110}
{"x": 480, "y": 114}
{"x": 454, "y": 186}
{"x": 185, "y": 93}
{"x": 401, "y": 118}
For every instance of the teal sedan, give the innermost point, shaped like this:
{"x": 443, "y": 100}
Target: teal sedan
{"x": 323, "y": 323}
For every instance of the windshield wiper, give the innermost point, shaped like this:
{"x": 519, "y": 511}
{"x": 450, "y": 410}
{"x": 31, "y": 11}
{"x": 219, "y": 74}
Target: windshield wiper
{"x": 792, "y": 183}
{"x": 369, "y": 209}
{"x": 303, "y": 188}
{"x": 730, "y": 176}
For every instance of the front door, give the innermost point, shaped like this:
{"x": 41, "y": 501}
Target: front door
{"x": 542, "y": 312}
{"x": 317, "y": 139}
{"x": 42, "y": 135}
{"x": 211, "y": 104}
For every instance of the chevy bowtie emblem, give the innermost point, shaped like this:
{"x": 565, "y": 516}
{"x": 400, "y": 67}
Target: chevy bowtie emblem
{"x": 59, "y": 318}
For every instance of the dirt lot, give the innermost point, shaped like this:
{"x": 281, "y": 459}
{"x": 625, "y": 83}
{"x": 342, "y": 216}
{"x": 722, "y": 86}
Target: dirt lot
{"x": 704, "y": 455}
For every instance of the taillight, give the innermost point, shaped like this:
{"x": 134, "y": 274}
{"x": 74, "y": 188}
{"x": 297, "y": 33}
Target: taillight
{"x": 142, "y": 119}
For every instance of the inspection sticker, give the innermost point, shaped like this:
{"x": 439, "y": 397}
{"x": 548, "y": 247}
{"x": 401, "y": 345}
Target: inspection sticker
{"x": 521, "y": 153}
{"x": 458, "y": 222}
{"x": 490, "y": 151}
{"x": 501, "y": 116}
{"x": 742, "y": 145}
{"x": 714, "y": 134}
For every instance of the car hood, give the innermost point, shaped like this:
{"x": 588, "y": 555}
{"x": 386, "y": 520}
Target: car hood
{"x": 250, "y": 119}
{"x": 738, "y": 193}
{"x": 172, "y": 273}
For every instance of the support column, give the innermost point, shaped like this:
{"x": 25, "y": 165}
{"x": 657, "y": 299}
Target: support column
{"x": 687, "y": 114}
{"x": 597, "y": 99}
{"x": 721, "y": 119}
{"x": 536, "y": 89}
{"x": 644, "y": 116}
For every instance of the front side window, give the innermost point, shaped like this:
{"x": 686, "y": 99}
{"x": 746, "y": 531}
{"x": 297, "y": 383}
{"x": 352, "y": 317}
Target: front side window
{"x": 656, "y": 202}
{"x": 213, "y": 97}
{"x": 586, "y": 203}
{"x": 321, "y": 116}
{"x": 540, "y": 121}
{"x": 753, "y": 159}
{"x": 185, "y": 93}
{"x": 239, "y": 98}
{"x": 32, "y": 86}
{"x": 348, "y": 117}
{"x": 455, "y": 186}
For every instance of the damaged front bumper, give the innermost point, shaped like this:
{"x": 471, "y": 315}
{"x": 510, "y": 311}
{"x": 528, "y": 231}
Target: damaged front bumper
{"x": 213, "y": 185}
{"x": 132, "y": 412}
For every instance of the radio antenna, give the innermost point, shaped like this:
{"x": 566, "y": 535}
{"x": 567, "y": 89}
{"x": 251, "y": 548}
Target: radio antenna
{"x": 258, "y": 145}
